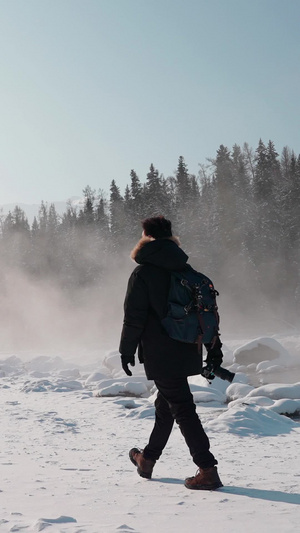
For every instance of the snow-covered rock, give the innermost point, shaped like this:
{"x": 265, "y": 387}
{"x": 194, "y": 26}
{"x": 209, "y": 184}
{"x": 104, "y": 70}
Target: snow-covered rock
{"x": 244, "y": 420}
{"x": 286, "y": 407}
{"x": 261, "y": 349}
{"x": 95, "y": 377}
{"x": 130, "y": 388}
{"x": 238, "y": 390}
{"x": 277, "y": 391}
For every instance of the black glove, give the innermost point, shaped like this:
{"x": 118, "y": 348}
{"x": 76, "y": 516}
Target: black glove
{"x": 127, "y": 360}
{"x": 214, "y": 356}
{"x": 207, "y": 372}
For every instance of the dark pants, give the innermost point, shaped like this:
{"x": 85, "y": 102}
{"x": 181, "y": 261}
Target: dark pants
{"x": 175, "y": 402}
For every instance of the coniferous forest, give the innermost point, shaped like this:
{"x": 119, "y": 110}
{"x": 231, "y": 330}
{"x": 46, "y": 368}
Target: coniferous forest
{"x": 238, "y": 220}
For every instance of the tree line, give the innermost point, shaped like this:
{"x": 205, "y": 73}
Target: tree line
{"x": 238, "y": 219}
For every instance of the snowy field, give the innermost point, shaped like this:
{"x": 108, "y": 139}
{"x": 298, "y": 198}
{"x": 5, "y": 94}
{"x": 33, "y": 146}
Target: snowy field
{"x": 66, "y": 429}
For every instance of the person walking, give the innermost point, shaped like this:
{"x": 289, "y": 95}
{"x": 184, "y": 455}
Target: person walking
{"x": 166, "y": 361}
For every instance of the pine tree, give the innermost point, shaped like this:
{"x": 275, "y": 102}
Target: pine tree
{"x": 116, "y": 206}
{"x": 135, "y": 187}
{"x": 34, "y": 226}
{"x": 184, "y": 202}
{"x": 101, "y": 215}
{"x": 289, "y": 202}
{"x": 182, "y": 182}
{"x": 16, "y": 238}
{"x": 205, "y": 246}
{"x": 262, "y": 178}
{"x": 249, "y": 159}
{"x": 53, "y": 221}
{"x": 267, "y": 215}
{"x": 15, "y": 222}
{"x": 242, "y": 192}
{"x": 263, "y": 189}
{"x": 20, "y": 220}
{"x": 70, "y": 242}
{"x": 153, "y": 193}
{"x": 134, "y": 206}
{"x": 225, "y": 200}
{"x": 87, "y": 214}
{"x": 69, "y": 218}
{"x": 43, "y": 217}
{"x": 7, "y": 225}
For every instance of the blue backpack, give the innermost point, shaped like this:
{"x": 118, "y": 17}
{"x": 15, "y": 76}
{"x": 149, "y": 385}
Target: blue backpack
{"x": 192, "y": 314}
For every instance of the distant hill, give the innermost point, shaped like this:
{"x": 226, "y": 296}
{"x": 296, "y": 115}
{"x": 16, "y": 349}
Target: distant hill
{"x": 32, "y": 210}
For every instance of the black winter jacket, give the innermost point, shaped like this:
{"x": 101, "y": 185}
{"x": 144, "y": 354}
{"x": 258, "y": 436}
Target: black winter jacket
{"x": 145, "y": 306}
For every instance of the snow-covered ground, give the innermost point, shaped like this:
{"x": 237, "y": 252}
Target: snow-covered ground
{"x": 67, "y": 427}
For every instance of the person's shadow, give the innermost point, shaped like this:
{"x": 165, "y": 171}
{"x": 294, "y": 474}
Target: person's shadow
{"x": 260, "y": 494}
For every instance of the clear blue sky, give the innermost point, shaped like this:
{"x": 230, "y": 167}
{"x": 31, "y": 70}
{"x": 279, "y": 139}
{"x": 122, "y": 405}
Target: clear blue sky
{"x": 93, "y": 88}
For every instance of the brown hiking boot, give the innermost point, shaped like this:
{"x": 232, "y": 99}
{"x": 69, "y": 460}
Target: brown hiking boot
{"x": 205, "y": 479}
{"x": 144, "y": 466}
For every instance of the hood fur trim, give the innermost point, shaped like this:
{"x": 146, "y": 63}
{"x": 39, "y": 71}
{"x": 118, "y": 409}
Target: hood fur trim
{"x": 145, "y": 240}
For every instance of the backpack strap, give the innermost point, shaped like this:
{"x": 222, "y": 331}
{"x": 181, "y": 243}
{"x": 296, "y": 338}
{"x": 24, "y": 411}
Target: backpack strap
{"x": 185, "y": 283}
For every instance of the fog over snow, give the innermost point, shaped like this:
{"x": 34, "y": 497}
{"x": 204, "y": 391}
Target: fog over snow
{"x": 67, "y": 427}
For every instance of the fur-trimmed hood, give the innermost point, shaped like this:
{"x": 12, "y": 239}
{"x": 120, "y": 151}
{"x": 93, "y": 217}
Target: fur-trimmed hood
{"x": 165, "y": 253}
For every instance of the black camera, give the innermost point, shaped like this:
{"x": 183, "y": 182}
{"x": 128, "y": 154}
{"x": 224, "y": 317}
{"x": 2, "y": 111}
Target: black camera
{"x": 209, "y": 372}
